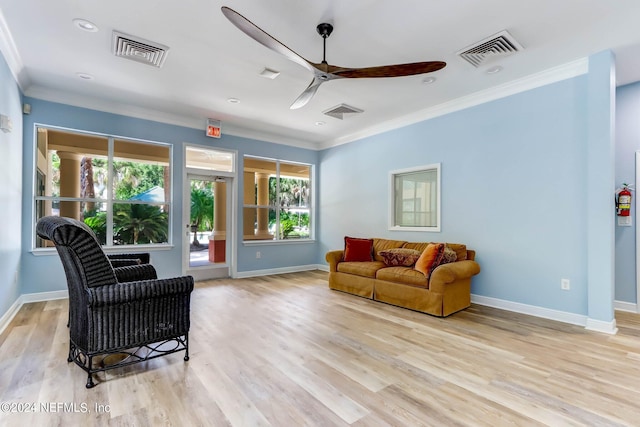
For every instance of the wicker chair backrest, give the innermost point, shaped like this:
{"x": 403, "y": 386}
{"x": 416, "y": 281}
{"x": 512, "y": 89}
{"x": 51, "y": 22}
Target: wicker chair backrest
{"x": 84, "y": 261}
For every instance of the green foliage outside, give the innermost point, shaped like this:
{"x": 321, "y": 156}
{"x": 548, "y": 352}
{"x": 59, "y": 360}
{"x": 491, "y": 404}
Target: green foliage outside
{"x": 132, "y": 224}
{"x": 136, "y": 223}
{"x": 134, "y": 178}
{"x": 201, "y": 208}
{"x": 293, "y": 193}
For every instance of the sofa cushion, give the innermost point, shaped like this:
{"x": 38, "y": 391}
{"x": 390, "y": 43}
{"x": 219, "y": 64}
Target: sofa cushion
{"x": 364, "y": 269}
{"x": 356, "y": 249}
{"x": 460, "y": 250}
{"x": 406, "y": 275}
{"x": 399, "y": 257}
{"x": 384, "y": 244}
{"x": 430, "y": 258}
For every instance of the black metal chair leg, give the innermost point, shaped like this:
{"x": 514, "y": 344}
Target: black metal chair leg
{"x": 186, "y": 345}
{"x": 90, "y": 383}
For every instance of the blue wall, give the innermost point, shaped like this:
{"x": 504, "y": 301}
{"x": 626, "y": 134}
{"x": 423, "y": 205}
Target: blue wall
{"x": 514, "y": 173}
{"x": 44, "y": 273}
{"x": 513, "y": 188}
{"x": 10, "y": 190}
{"x": 627, "y": 143}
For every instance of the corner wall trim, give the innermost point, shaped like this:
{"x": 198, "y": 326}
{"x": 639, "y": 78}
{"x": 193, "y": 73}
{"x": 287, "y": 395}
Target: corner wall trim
{"x": 10, "y": 314}
{"x": 602, "y": 326}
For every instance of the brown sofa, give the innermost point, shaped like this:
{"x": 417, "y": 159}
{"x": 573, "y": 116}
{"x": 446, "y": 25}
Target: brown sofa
{"x": 447, "y": 291}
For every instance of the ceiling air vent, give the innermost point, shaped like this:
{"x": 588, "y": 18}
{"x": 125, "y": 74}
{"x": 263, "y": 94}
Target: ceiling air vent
{"x": 339, "y": 111}
{"x": 138, "y": 49}
{"x": 497, "y": 46}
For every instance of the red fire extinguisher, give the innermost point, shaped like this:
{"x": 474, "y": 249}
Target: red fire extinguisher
{"x": 623, "y": 201}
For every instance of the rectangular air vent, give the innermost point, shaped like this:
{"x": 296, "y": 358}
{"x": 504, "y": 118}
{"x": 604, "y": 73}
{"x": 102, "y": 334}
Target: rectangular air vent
{"x": 498, "y": 45}
{"x": 339, "y": 111}
{"x": 139, "y": 49}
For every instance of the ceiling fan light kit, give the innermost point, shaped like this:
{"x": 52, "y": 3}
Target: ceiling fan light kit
{"x": 323, "y": 71}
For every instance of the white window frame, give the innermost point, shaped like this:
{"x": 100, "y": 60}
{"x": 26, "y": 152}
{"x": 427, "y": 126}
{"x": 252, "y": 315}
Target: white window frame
{"x": 312, "y": 203}
{"x": 110, "y": 200}
{"x": 393, "y": 226}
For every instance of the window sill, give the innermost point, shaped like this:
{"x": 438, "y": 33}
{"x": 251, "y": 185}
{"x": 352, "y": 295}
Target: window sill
{"x": 277, "y": 242}
{"x": 423, "y": 229}
{"x": 109, "y": 250}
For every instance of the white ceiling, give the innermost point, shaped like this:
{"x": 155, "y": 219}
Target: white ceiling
{"x": 210, "y": 60}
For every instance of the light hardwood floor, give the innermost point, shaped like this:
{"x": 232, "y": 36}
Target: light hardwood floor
{"x": 287, "y": 351}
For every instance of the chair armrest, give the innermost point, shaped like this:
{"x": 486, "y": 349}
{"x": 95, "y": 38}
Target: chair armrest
{"x": 142, "y": 257}
{"x": 121, "y": 293}
{"x": 451, "y": 272}
{"x": 333, "y": 258}
{"x": 133, "y": 273}
{"x": 123, "y": 262}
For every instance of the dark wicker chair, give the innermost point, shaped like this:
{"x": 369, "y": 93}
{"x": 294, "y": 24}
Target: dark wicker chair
{"x": 116, "y": 310}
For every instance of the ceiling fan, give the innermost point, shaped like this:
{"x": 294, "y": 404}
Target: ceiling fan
{"x": 324, "y": 72}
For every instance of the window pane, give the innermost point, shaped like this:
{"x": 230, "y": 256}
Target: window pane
{"x": 202, "y": 158}
{"x": 281, "y": 191}
{"x": 93, "y": 214}
{"x": 259, "y": 223}
{"x": 416, "y": 198}
{"x": 259, "y": 181}
{"x": 294, "y": 185}
{"x": 73, "y": 180}
{"x": 294, "y": 223}
{"x": 135, "y": 224}
{"x": 140, "y": 171}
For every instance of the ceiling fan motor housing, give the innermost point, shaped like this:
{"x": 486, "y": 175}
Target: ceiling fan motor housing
{"x": 324, "y": 29}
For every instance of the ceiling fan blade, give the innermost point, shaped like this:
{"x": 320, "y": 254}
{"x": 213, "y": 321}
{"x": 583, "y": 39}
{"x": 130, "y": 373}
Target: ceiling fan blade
{"x": 308, "y": 93}
{"x": 398, "y": 70}
{"x": 262, "y": 37}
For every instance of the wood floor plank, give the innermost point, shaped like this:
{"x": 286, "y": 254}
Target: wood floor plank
{"x": 285, "y": 350}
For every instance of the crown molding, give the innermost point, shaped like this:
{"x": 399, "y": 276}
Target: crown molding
{"x": 543, "y": 78}
{"x": 11, "y": 55}
{"x": 92, "y": 103}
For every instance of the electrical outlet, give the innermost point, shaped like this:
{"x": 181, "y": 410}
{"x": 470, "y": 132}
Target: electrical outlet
{"x": 258, "y": 255}
{"x": 565, "y": 284}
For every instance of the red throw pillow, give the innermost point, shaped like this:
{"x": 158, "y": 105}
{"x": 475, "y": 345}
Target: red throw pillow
{"x": 358, "y": 249}
{"x": 430, "y": 258}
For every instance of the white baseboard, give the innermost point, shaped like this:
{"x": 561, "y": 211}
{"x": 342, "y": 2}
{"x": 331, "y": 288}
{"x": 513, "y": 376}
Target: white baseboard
{"x": 44, "y": 296}
{"x": 10, "y": 314}
{"x": 602, "y": 326}
{"x": 282, "y": 270}
{"x": 547, "y": 313}
{"x": 25, "y": 299}
{"x": 625, "y": 306}
{"x": 532, "y": 310}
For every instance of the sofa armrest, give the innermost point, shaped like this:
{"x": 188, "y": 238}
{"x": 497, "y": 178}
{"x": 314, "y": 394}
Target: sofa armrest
{"x": 451, "y": 272}
{"x": 333, "y": 258}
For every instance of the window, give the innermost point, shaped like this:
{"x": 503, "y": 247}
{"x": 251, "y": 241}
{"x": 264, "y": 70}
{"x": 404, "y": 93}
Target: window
{"x": 277, "y": 200}
{"x": 415, "y": 199}
{"x": 118, "y": 187}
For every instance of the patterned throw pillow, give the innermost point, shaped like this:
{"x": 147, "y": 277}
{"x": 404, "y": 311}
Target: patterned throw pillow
{"x": 430, "y": 258}
{"x": 449, "y": 255}
{"x": 399, "y": 257}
